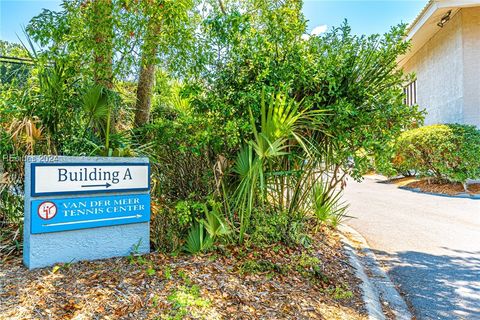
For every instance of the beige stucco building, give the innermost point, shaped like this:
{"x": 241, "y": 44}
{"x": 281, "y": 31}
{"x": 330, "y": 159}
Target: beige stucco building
{"x": 445, "y": 56}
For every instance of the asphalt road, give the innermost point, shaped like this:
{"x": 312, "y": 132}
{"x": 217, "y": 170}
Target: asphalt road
{"x": 429, "y": 245}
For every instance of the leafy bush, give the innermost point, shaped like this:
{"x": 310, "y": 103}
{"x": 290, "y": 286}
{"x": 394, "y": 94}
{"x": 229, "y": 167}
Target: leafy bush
{"x": 274, "y": 170}
{"x": 181, "y": 161}
{"x": 171, "y": 223}
{"x": 283, "y": 178}
{"x": 211, "y": 135}
{"x": 274, "y": 227}
{"x": 353, "y": 78}
{"x": 166, "y": 234}
{"x": 186, "y": 212}
{"x": 445, "y": 152}
{"x": 11, "y": 222}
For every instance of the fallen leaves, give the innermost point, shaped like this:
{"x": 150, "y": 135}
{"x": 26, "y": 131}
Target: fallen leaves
{"x": 230, "y": 283}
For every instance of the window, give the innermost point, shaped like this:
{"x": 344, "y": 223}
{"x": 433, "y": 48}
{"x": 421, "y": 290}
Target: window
{"x": 410, "y": 91}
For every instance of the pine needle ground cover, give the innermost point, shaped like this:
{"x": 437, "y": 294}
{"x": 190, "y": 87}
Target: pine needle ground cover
{"x": 228, "y": 283}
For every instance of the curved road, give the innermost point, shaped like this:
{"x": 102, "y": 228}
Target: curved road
{"x": 429, "y": 245}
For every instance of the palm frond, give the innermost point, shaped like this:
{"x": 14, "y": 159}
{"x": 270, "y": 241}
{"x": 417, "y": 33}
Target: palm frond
{"x": 95, "y": 105}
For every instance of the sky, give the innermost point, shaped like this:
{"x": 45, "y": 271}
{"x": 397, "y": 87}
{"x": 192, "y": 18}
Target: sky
{"x": 365, "y": 17}
{"x": 15, "y": 14}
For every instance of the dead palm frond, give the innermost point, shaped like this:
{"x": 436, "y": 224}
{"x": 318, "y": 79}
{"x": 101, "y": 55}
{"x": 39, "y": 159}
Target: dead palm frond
{"x": 26, "y": 133}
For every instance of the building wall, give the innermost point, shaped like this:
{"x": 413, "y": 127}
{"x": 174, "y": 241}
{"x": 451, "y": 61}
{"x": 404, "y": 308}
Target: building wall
{"x": 471, "y": 61}
{"x": 448, "y": 71}
{"x": 438, "y": 66}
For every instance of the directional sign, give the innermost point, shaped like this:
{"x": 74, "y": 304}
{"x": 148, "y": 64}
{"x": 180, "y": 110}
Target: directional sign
{"x": 82, "y": 213}
{"x": 77, "y": 178}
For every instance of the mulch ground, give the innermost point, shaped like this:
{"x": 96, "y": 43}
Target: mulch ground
{"x": 230, "y": 283}
{"x": 443, "y": 188}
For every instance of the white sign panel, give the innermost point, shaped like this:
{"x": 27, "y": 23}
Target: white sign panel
{"x": 77, "y": 178}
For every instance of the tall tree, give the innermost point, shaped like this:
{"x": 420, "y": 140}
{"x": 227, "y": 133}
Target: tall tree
{"x": 147, "y": 68}
{"x": 168, "y": 26}
{"x": 100, "y": 21}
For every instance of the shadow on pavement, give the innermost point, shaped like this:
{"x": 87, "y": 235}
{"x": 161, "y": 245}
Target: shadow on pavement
{"x": 438, "y": 286}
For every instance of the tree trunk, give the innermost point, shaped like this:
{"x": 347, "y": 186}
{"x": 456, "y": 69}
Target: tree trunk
{"x": 102, "y": 23}
{"x": 144, "y": 91}
{"x": 146, "y": 79}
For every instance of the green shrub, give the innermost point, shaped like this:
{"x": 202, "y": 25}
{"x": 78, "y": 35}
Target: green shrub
{"x": 171, "y": 224}
{"x": 11, "y": 196}
{"x": 11, "y": 223}
{"x": 181, "y": 160}
{"x": 445, "y": 152}
{"x": 166, "y": 234}
{"x": 273, "y": 227}
{"x": 252, "y": 266}
{"x": 268, "y": 228}
{"x": 186, "y": 211}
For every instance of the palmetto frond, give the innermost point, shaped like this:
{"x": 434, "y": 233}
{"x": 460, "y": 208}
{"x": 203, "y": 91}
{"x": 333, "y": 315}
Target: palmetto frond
{"x": 95, "y": 105}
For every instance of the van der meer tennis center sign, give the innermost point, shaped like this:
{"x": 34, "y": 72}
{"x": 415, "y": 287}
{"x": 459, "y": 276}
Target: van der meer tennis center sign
{"x": 82, "y": 208}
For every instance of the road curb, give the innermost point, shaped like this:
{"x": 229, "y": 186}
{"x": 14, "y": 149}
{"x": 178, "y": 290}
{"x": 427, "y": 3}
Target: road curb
{"x": 377, "y": 287}
{"x": 370, "y": 294}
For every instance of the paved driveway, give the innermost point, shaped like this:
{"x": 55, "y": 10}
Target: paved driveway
{"x": 430, "y": 245}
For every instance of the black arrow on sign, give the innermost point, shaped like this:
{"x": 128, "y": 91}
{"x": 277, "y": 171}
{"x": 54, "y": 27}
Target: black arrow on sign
{"x": 106, "y": 185}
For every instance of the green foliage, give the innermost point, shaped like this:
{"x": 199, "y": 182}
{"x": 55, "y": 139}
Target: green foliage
{"x": 206, "y": 230}
{"x": 184, "y": 212}
{"x": 327, "y": 204}
{"x": 170, "y": 226}
{"x": 166, "y": 234}
{"x": 185, "y": 301}
{"x": 213, "y": 222}
{"x": 96, "y": 107}
{"x": 275, "y": 227}
{"x": 262, "y": 266}
{"x": 269, "y": 228}
{"x": 248, "y": 116}
{"x": 354, "y": 78}
{"x": 135, "y": 257}
{"x": 167, "y": 273}
{"x": 179, "y": 146}
{"x": 267, "y": 158}
{"x": 101, "y": 38}
{"x": 340, "y": 292}
{"x": 306, "y": 264}
{"x": 179, "y": 151}
{"x": 198, "y": 240}
{"x": 444, "y": 152}
{"x": 11, "y": 206}
{"x": 17, "y": 72}
{"x": 11, "y": 222}
{"x": 309, "y": 265}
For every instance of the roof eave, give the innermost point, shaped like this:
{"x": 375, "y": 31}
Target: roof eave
{"x": 432, "y": 8}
